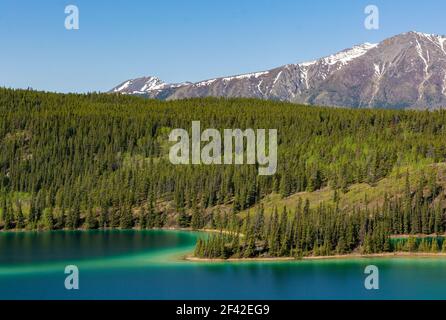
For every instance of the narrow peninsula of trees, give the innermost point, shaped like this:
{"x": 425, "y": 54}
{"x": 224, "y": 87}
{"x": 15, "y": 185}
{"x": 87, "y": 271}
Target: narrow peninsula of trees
{"x": 396, "y": 225}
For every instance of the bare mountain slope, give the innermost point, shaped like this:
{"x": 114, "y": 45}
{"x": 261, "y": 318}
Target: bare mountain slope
{"x": 405, "y": 71}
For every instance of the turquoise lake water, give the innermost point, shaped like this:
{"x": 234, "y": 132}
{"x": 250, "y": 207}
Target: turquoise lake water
{"x": 148, "y": 265}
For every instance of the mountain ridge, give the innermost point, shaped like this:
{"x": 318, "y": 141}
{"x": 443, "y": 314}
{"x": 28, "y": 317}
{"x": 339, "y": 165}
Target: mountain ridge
{"x": 404, "y": 71}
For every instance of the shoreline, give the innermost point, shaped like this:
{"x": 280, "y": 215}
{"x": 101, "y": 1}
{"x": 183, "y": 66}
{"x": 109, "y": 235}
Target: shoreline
{"x": 117, "y": 229}
{"x": 192, "y": 230}
{"x": 192, "y": 258}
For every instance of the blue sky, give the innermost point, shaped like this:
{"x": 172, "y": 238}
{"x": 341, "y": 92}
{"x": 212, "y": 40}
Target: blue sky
{"x": 180, "y": 40}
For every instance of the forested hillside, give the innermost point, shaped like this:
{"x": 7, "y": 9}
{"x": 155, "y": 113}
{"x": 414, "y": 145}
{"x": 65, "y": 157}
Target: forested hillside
{"x": 101, "y": 161}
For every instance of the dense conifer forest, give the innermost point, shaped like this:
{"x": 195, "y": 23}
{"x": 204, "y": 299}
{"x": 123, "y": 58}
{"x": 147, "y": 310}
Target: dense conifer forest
{"x": 71, "y": 161}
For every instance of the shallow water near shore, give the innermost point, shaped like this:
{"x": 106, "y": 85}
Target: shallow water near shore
{"x": 149, "y": 265}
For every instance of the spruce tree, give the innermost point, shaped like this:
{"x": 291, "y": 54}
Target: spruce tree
{"x": 48, "y": 219}
{"x": 434, "y": 245}
{"x": 90, "y": 220}
{"x": 19, "y": 216}
{"x": 142, "y": 218}
{"x": 126, "y": 221}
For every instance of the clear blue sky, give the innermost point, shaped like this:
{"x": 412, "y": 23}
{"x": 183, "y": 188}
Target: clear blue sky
{"x": 179, "y": 40}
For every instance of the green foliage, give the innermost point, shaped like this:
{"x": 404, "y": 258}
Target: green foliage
{"x": 90, "y": 220}
{"x": 197, "y": 220}
{"x": 328, "y": 230}
{"x": 93, "y": 160}
{"x": 126, "y": 218}
{"x": 48, "y": 219}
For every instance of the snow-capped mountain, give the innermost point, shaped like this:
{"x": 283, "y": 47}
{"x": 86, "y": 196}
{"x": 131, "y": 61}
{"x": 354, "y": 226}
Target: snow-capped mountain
{"x": 405, "y": 71}
{"x": 152, "y": 87}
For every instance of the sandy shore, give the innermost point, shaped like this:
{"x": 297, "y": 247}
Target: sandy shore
{"x": 333, "y": 257}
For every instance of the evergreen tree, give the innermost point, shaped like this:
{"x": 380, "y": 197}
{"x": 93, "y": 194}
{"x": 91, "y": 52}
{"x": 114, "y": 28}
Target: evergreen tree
{"x": 142, "y": 218}
{"x": 197, "y": 219}
{"x": 19, "y": 216}
{"x": 90, "y": 220}
{"x": 7, "y": 216}
{"x": 434, "y": 245}
{"x": 126, "y": 221}
{"x": 48, "y": 219}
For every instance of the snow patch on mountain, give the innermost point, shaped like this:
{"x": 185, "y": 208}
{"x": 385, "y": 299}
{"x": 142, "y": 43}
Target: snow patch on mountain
{"x": 246, "y": 76}
{"x": 153, "y": 84}
{"x": 124, "y": 86}
{"x": 277, "y": 77}
{"x": 204, "y": 83}
{"x": 348, "y": 55}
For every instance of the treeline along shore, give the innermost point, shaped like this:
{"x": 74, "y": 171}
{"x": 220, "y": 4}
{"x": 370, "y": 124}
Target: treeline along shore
{"x": 347, "y": 181}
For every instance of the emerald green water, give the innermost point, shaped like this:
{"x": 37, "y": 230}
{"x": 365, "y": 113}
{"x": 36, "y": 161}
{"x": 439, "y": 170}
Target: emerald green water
{"x": 148, "y": 265}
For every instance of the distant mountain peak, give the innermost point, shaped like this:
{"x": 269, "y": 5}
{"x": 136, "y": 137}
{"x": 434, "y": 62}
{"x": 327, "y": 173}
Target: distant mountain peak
{"x": 427, "y": 35}
{"x": 144, "y": 84}
{"x": 405, "y": 71}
